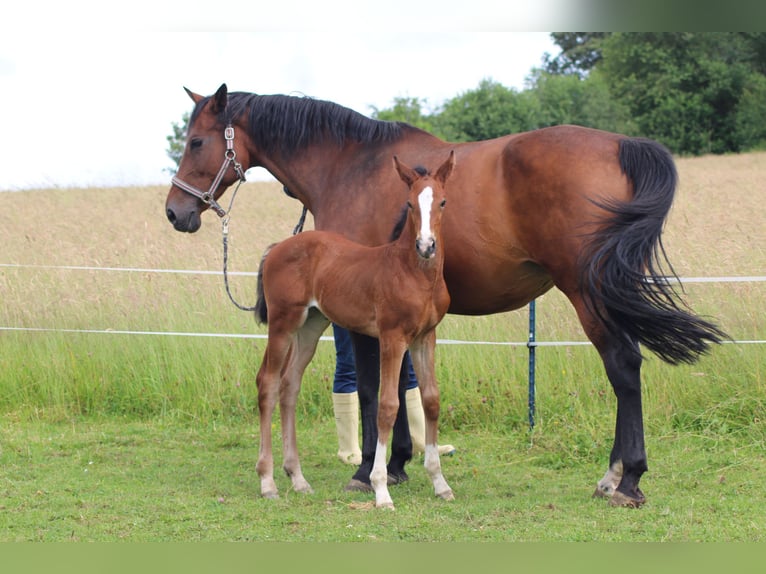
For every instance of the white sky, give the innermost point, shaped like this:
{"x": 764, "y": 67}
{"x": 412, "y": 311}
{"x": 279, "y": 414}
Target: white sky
{"x": 81, "y": 107}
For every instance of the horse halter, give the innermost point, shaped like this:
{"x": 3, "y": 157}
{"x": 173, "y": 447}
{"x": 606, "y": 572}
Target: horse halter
{"x": 229, "y": 159}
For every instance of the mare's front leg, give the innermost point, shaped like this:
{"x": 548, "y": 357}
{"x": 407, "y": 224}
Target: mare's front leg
{"x": 268, "y": 379}
{"x": 391, "y": 354}
{"x": 423, "y": 360}
{"x": 303, "y": 350}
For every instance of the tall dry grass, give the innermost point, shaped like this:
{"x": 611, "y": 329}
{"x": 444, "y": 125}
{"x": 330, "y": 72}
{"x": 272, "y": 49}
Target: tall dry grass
{"x": 716, "y": 228}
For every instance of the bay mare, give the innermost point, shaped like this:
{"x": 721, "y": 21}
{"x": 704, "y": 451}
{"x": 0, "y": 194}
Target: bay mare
{"x": 575, "y": 208}
{"x": 394, "y": 292}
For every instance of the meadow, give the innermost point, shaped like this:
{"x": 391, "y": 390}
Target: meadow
{"x": 109, "y": 433}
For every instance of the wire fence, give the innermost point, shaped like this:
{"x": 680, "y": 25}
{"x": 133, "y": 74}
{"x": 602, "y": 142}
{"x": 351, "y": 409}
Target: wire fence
{"x": 527, "y": 343}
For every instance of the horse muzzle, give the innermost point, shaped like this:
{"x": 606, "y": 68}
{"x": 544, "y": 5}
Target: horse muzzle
{"x": 426, "y": 248}
{"x": 187, "y": 221}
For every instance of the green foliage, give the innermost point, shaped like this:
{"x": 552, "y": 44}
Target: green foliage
{"x": 408, "y": 110}
{"x": 683, "y": 89}
{"x": 580, "y": 52}
{"x": 177, "y": 141}
{"x": 695, "y": 92}
{"x": 489, "y": 111}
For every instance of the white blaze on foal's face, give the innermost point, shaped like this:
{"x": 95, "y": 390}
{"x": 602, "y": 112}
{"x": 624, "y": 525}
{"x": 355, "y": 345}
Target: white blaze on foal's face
{"x": 425, "y": 203}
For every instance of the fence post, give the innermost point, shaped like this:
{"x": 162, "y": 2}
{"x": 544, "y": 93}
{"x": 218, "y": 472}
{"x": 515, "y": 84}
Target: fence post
{"x": 531, "y": 345}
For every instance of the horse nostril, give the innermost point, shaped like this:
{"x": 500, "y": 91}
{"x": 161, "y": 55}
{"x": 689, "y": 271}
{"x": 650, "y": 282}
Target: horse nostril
{"x": 171, "y": 215}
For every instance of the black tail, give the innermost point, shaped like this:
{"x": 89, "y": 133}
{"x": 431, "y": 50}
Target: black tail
{"x": 261, "y": 311}
{"x": 624, "y": 281}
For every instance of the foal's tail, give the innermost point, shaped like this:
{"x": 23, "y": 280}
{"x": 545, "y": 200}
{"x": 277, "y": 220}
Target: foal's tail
{"x": 623, "y": 279}
{"x": 261, "y": 312}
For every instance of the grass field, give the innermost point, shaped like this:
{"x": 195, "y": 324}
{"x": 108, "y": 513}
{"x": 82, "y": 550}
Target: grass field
{"x": 152, "y": 437}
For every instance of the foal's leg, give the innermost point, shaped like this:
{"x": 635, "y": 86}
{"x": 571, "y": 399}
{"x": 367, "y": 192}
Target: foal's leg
{"x": 268, "y": 378}
{"x": 391, "y": 354}
{"x": 367, "y": 358}
{"x": 302, "y": 352}
{"x": 422, "y": 353}
{"x": 627, "y": 461}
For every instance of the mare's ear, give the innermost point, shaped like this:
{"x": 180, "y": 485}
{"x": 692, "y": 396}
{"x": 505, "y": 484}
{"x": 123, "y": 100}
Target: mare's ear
{"x": 219, "y": 100}
{"x": 195, "y": 97}
{"x": 407, "y": 174}
{"x": 445, "y": 170}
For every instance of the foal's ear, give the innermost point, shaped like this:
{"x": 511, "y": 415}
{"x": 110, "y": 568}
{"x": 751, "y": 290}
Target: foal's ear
{"x": 408, "y": 175}
{"x": 219, "y": 100}
{"x": 196, "y": 98}
{"x": 445, "y": 170}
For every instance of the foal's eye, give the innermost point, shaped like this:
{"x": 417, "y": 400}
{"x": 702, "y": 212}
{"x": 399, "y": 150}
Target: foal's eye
{"x": 409, "y": 205}
{"x": 443, "y": 203}
{"x": 196, "y": 143}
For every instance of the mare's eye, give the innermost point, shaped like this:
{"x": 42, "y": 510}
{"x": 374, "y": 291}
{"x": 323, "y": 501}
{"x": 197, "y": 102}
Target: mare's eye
{"x": 409, "y": 205}
{"x": 443, "y": 203}
{"x": 196, "y": 143}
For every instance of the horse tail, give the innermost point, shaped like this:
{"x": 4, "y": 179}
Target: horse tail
{"x": 624, "y": 264}
{"x": 261, "y": 311}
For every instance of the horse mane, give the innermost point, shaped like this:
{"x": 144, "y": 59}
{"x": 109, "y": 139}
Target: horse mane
{"x": 399, "y": 226}
{"x": 287, "y": 124}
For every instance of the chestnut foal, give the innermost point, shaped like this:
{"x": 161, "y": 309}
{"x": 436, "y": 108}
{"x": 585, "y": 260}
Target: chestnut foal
{"x": 394, "y": 292}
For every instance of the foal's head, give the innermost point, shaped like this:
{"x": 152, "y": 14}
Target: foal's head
{"x": 425, "y": 203}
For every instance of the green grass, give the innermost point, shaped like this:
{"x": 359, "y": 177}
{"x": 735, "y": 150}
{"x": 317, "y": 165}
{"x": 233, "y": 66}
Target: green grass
{"x": 149, "y": 437}
{"x": 112, "y": 479}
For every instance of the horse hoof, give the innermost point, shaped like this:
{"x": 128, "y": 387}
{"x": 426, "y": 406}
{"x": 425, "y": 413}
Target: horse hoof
{"x": 599, "y": 493}
{"x": 355, "y": 485}
{"x": 271, "y": 495}
{"x": 385, "y": 505}
{"x": 397, "y": 478}
{"x": 305, "y": 490}
{"x": 446, "y": 495}
{"x": 625, "y": 501}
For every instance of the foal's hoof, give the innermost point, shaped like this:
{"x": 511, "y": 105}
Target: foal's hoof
{"x": 625, "y": 501}
{"x": 355, "y": 485}
{"x": 386, "y": 505}
{"x": 271, "y": 495}
{"x": 446, "y": 495}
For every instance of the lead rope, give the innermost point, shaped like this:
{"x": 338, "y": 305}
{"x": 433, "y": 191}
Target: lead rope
{"x": 225, "y": 231}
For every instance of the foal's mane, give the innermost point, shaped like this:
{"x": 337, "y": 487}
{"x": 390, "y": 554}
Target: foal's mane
{"x": 399, "y": 227}
{"x": 287, "y": 124}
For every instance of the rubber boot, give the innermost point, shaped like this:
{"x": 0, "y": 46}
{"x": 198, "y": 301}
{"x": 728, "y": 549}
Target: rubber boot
{"x": 346, "y": 409}
{"x": 417, "y": 422}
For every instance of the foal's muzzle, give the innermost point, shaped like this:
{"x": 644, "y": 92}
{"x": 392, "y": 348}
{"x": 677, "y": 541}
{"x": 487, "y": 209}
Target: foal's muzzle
{"x": 426, "y": 248}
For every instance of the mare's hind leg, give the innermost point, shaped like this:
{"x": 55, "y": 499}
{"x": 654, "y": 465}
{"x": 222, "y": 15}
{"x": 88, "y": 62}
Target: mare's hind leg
{"x": 627, "y": 461}
{"x": 422, "y": 352}
{"x": 303, "y": 350}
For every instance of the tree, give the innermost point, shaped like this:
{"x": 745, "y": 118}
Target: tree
{"x": 177, "y": 141}
{"x": 580, "y": 52}
{"x": 685, "y": 89}
{"x": 489, "y": 111}
{"x": 571, "y": 99}
{"x": 406, "y": 109}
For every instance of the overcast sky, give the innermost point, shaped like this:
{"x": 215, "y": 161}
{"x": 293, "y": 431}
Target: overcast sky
{"x": 87, "y": 108}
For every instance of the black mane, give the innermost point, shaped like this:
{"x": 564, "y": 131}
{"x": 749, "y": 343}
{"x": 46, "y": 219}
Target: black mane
{"x": 286, "y": 124}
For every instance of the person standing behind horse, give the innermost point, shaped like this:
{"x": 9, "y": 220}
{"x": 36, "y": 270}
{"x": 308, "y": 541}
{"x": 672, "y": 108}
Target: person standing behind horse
{"x": 345, "y": 402}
